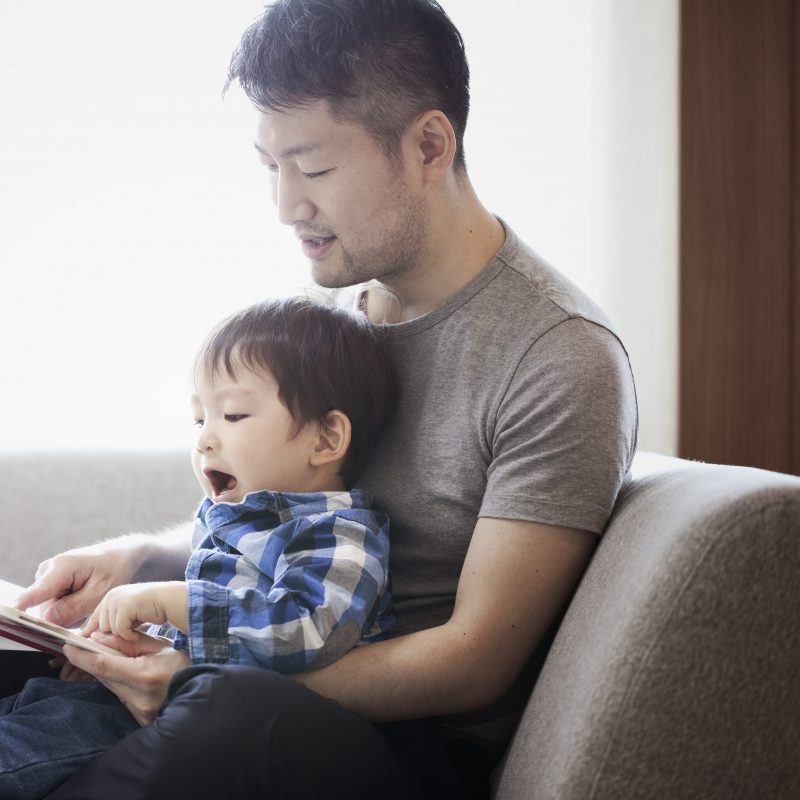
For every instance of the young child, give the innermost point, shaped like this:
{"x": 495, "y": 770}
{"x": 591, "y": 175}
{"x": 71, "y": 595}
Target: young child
{"x": 289, "y": 567}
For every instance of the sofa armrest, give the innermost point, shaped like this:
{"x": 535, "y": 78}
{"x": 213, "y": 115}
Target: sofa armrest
{"x": 57, "y": 500}
{"x": 674, "y": 673}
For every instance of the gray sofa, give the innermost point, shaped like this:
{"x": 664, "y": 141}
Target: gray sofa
{"x": 675, "y": 673}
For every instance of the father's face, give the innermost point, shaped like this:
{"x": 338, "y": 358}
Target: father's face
{"x": 357, "y": 214}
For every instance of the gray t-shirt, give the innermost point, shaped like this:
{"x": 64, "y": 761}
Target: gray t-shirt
{"x": 516, "y": 401}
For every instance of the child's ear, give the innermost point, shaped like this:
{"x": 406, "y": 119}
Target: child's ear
{"x": 333, "y": 439}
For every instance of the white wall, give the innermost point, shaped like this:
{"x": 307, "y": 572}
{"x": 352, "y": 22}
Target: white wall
{"x": 135, "y": 215}
{"x": 529, "y": 138}
{"x": 574, "y": 139}
{"x": 636, "y": 197}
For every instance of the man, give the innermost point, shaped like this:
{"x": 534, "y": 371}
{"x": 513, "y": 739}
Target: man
{"x": 516, "y": 427}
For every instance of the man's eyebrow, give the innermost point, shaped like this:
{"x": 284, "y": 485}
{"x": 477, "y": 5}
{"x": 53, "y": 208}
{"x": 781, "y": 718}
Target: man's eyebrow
{"x": 291, "y": 152}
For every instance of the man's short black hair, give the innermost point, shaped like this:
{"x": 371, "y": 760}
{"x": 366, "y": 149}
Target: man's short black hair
{"x": 323, "y": 359}
{"x": 379, "y": 63}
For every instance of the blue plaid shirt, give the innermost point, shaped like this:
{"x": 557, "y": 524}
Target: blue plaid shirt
{"x": 287, "y": 581}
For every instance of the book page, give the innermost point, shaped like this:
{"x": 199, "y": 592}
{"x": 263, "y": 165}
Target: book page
{"x": 9, "y": 592}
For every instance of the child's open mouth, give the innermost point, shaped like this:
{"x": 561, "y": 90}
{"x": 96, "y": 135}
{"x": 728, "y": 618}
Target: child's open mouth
{"x": 221, "y": 482}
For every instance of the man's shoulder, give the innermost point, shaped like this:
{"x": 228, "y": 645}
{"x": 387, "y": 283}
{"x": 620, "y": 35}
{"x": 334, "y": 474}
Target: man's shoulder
{"x": 530, "y": 286}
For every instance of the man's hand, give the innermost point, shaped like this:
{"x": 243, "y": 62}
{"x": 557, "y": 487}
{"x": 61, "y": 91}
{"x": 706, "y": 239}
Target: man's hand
{"x": 139, "y": 682}
{"x": 70, "y": 585}
{"x": 73, "y": 583}
{"x": 68, "y": 672}
{"x": 125, "y": 608}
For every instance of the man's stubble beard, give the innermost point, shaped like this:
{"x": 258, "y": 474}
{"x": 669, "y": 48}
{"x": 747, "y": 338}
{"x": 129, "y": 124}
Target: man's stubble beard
{"x": 396, "y": 253}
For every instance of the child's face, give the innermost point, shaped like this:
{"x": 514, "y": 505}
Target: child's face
{"x": 247, "y": 440}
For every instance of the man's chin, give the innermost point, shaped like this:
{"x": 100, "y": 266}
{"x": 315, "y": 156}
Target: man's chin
{"x": 328, "y": 278}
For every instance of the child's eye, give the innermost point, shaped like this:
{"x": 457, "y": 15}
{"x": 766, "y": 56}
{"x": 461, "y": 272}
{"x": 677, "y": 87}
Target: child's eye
{"x": 198, "y": 423}
{"x": 235, "y": 417}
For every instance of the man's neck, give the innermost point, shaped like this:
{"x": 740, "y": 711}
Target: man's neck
{"x": 462, "y": 242}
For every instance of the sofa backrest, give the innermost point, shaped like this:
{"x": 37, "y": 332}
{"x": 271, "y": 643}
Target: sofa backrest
{"x": 58, "y": 500}
{"x": 675, "y": 671}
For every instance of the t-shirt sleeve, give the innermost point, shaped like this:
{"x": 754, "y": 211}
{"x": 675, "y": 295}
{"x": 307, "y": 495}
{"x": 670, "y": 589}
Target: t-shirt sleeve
{"x": 565, "y": 430}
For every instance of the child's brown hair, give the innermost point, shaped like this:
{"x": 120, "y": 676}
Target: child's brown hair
{"x": 322, "y": 357}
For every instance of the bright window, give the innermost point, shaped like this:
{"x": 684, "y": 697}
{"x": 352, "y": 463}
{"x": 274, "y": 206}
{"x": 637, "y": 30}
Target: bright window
{"x": 135, "y": 214}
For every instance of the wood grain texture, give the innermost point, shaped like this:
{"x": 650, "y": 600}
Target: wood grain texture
{"x": 795, "y": 254}
{"x": 738, "y": 283}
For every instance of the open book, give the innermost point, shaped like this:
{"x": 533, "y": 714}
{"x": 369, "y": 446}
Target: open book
{"x": 28, "y": 629}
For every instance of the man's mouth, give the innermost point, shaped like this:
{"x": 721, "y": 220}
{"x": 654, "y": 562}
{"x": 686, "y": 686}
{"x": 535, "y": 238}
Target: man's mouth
{"x": 316, "y": 246}
{"x": 221, "y": 482}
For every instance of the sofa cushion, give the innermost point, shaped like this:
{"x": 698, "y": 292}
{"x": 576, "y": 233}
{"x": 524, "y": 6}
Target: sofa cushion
{"x": 674, "y": 673}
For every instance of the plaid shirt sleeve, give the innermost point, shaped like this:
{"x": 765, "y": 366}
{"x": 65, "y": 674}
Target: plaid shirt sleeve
{"x": 318, "y": 587}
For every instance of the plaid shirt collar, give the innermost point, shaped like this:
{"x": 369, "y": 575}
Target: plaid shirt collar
{"x": 284, "y": 506}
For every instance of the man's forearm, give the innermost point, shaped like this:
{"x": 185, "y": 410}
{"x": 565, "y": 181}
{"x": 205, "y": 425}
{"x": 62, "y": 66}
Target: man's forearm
{"x": 435, "y": 671}
{"x": 164, "y": 554}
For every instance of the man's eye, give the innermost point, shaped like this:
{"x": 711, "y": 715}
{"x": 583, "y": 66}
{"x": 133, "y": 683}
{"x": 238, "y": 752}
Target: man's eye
{"x": 235, "y": 417}
{"x": 319, "y": 174}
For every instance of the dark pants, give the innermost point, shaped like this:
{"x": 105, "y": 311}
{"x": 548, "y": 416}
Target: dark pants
{"x": 16, "y": 666}
{"x": 241, "y": 732}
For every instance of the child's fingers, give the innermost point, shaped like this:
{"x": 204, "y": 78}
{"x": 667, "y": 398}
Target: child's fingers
{"x": 91, "y": 624}
{"x": 123, "y": 624}
{"x": 126, "y": 632}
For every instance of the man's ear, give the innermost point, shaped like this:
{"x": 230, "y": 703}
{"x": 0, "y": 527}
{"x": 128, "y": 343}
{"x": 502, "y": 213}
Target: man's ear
{"x": 333, "y": 439}
{"x": 433, "y": 143}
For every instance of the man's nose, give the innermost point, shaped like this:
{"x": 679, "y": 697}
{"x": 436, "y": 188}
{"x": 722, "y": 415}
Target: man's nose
{"x": 293, "y": 203}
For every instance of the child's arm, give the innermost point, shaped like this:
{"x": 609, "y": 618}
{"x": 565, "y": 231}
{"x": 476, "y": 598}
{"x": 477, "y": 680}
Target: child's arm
{"x": 125, "y": 608}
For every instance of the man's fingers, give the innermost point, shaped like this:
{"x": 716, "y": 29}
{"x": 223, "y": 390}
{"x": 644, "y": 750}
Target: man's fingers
{"x": 113, "y": 672}
{"x": 59, "y": 605}
{"x": 80, "y": 657}
{"x": 38, "y": 592}
{"x": 71, "y": 674}
{"x": 140, "y": 644}
{"x": 68, "y": 610}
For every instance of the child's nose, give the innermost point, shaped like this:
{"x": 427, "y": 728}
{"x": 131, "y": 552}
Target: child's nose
{"x": 207, "y": 439}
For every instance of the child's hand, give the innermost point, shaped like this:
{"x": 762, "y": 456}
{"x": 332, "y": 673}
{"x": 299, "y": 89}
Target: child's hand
{"x": 125, "y": 608}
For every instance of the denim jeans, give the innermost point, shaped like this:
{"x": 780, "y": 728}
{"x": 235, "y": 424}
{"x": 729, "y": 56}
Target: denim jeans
{"x": 51, "y": 729}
